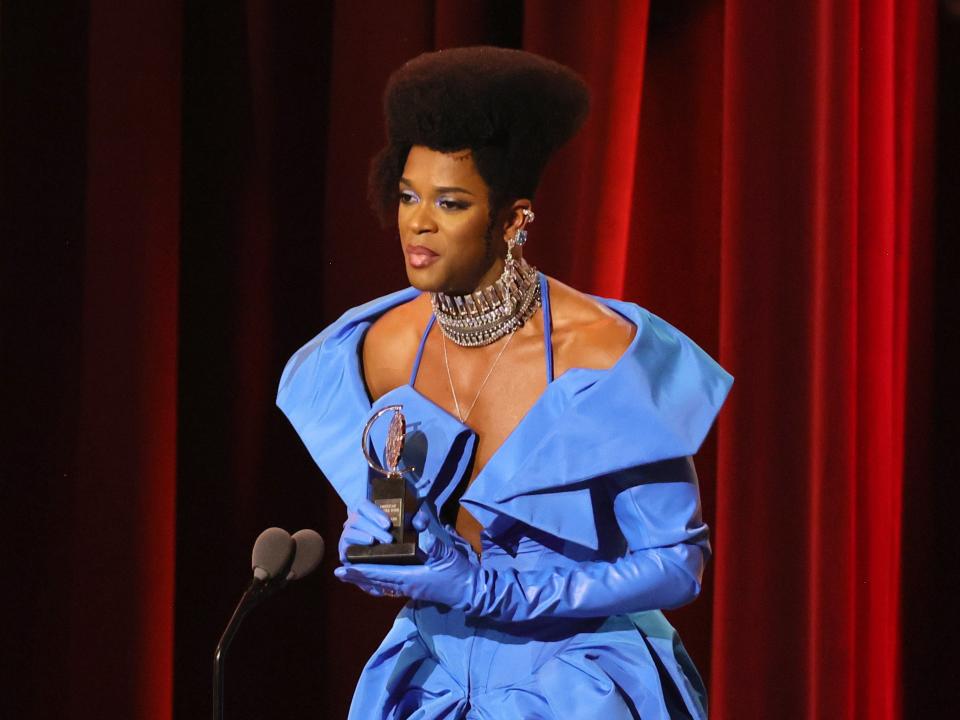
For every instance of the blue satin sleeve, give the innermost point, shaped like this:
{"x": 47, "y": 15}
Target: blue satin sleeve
{"x": 665, "y": 548}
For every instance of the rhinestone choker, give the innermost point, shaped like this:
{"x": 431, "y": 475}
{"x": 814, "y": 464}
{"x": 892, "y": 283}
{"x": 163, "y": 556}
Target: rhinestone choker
{"x": 486, "y": 315}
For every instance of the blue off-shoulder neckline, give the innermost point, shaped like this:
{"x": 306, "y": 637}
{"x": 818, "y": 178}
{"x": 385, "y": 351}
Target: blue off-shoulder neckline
{"x": 656, "y": 402}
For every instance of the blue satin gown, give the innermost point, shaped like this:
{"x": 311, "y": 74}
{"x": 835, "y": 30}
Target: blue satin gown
{"x": 598, "y": 470}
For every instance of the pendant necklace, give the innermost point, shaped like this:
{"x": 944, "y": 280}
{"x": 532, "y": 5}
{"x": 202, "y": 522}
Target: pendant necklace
{"x": 453, "y": 391}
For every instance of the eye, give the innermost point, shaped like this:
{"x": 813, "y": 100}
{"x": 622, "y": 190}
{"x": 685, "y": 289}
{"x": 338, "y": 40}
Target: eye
{"x": 408, "y": 197}
{"x": 450, "y": 204}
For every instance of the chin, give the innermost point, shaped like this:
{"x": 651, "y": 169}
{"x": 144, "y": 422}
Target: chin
{"x": 424, "y": 280}
{"x": 437, "y": 278}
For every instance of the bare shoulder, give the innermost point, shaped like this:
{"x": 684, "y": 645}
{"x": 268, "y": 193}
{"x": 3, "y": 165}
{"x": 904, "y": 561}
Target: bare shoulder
{"x": 390, "y": 345}
{"x": 586, "y": 333}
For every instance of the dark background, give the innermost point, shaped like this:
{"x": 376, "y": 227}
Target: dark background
{"x": 171, "y": 234}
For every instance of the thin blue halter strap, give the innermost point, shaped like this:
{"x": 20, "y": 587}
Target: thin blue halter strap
{"x": 547, "y": 333}
{"x": 423, "y": 343}
{"x": 547, "y": 326}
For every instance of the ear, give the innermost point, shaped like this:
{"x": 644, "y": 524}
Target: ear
{"x": 516, "y": 218}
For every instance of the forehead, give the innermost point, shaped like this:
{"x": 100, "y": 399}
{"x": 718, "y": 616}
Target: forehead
{"x": 439, "y": 169}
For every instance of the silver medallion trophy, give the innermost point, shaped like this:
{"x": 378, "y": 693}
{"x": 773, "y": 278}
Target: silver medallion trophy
{"x": 394, "y": 494}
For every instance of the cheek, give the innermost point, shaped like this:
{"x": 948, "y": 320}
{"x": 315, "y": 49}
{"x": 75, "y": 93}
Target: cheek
{"x": 469, "y": 233}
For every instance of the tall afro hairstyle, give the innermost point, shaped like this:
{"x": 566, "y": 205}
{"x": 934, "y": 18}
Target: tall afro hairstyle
{"x": 512, "y": 109}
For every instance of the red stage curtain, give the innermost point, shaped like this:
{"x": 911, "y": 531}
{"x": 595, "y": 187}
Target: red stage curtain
{"x": 91, "y": 216}
{"x": 586, "y": 228}
{"x": 827, "y": 169}
{"x": 122, "y": 500}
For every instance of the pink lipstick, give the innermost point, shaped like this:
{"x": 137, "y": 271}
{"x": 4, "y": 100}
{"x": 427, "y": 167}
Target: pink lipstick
{"x": 420, "y": 257}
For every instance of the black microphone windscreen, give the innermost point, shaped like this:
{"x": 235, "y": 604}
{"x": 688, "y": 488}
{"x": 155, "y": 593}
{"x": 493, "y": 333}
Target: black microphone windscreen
{"x": 271, "y": 552}
{"x": 309, "y": 554}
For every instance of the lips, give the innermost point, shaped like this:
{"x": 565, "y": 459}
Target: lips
{"x": 420, "y": 257}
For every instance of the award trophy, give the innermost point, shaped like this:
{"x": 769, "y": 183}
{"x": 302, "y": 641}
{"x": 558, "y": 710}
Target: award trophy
{"x": 394, "y": 495}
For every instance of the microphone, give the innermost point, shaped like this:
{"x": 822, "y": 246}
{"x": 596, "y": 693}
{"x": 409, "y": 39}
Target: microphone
{"x": 277, "y": 559}
{"x": 308, "y": 554}
{"x": 273, "y": 549}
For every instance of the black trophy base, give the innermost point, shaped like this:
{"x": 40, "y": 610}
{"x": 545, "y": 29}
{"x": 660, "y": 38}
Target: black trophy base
{"x": 407, "y": 553}
{"x": 395, "y": 496}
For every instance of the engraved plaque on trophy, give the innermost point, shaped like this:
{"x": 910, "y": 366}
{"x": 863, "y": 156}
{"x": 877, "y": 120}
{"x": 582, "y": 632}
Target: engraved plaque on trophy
{"x": 394, "y": 494}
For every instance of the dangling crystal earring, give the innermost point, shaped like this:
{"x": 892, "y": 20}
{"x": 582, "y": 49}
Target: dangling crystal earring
{"x": 509, "y": 263}
{"x": 519, "y": 239}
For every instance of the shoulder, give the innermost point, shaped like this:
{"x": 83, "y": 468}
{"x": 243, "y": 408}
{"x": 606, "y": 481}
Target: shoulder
{"x": 332, "y": 357}
{"x": 390, "y": 345}
{"x": 586, "y": 333}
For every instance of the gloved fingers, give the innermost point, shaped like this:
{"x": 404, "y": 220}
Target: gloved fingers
{"x": 372, "y": 512}
{"x": 426, "y": 517}
{"x": 434, "y": 539}
{"x": 362, "y": 524}
{"x": 371, "y": 588}
{"x": 354, "y": 536}
{"x": 376, "y": 574}
{"x": 369, "y": 582}
{"x": 426, "y": 523}
{"x": 378, "y": 590}
{"x": 421, "y": 521}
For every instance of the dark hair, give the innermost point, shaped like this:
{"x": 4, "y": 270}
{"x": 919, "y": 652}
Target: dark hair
{"x": 511, "y": 108}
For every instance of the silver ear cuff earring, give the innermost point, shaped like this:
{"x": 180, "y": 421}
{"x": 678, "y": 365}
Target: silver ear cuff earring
{"x": 519, "y": 238}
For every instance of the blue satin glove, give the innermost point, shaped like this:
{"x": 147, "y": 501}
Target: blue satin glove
{"x": 364, "y": 525}
{"x": 647, "y": 579}
{"x": 653, "y": 579}
{"x": 447, "y": 576}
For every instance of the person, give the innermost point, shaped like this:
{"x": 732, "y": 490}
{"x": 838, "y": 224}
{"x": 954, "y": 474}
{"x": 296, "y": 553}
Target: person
{"x": 549, "y": 432}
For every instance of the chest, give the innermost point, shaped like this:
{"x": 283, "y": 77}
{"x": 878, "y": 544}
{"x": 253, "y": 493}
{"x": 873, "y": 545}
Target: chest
{"x": 489, "y": 389}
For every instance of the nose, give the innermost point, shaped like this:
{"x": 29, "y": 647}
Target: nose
{"x": 421, "y": 220}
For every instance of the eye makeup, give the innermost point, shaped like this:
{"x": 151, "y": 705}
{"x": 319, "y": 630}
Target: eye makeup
{"x": 408, "y": 197}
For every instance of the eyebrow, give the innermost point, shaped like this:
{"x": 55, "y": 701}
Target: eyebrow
{"x": 441, "y": 188}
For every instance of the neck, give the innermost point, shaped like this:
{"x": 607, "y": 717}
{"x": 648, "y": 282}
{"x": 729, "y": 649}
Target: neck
{"x": 492, "y": 311}
{"x": 493, "y": 273}
{"x": 487, "y": 279}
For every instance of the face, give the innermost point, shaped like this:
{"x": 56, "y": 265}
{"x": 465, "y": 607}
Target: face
{"x": 443, "y": 218}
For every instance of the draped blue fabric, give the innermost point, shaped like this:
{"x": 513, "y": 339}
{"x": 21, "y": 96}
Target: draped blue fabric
{"x": 597, "y": 470}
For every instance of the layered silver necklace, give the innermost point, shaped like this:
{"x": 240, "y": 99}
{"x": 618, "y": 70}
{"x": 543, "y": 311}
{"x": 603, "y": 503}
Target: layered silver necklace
{"x": 488, "y": 314}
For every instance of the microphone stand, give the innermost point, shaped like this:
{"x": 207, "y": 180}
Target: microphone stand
{"x": 256, "y": 592}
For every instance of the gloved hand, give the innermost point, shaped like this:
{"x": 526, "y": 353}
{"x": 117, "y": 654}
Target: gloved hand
{"x": 644, "y": 579}
{"x": 363, "y": 526}
{"x": 447, "y": 576}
